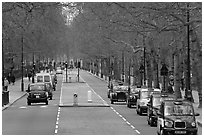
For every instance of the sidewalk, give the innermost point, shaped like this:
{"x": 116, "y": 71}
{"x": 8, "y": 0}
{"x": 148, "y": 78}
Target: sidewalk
{"x": 195, "y": 97}
{"x": 15, "y": 92}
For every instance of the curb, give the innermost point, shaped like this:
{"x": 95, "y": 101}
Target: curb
{"x": 9, "y": 104}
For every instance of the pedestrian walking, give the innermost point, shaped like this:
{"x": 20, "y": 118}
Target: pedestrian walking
{"x": 6, "y": 83}
{"x": 29, "y": 75}
{"x": 13, "y": 79}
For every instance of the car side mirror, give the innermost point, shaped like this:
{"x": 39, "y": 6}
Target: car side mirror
{"x": 197, "y": 114}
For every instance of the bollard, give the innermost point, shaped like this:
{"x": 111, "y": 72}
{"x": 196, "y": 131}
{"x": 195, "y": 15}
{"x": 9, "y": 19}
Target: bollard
{"x": 89, "y": 96}
{"x": 75, "y": 99}
{"x": 70, "y": 79}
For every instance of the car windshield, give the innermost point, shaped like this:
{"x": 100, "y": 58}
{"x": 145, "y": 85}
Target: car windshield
{"x": 37, "y": 88}
{"x": 183, "y": 109}
{"x": 156, "y": 101}
{"x": 47, "y": 78}
{"x": 134, "y": 90}
{"x": 39, "y": 78}
{"x": 144, "y": 94}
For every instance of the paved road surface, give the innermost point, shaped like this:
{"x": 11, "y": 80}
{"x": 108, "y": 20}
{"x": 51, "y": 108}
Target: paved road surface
{"x": 41, "y": 119}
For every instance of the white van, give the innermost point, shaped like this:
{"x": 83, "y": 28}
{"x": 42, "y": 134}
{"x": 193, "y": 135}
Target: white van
{"x": 43, "y": 77}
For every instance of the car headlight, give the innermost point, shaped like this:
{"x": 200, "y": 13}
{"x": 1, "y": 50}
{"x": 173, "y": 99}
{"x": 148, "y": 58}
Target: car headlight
{"x": 132, "y": 97}
{"x": 193, "y": 124}
{"x": 46, "y": 94}
{"x": 168, "y": 123}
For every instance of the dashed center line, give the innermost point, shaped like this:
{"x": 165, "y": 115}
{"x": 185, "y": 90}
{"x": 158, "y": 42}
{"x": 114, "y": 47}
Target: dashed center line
{"x": 128, "y": 123}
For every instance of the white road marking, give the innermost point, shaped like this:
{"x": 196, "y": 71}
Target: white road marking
{"x": 112, "y": 108}
{"x": 57, "y": 123}
{"x": 125, "y": 120}
{"x": 56, "y": 126}
{"x": 56, "y": 131}
{"x": 43, "y": 106}
{"x": 23, "y": 107}
{"x": 137, "y": 131}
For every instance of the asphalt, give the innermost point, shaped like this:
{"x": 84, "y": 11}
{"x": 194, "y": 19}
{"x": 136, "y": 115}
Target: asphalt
{"x": 194, "y": 93}
{"x": 83, "y": 99}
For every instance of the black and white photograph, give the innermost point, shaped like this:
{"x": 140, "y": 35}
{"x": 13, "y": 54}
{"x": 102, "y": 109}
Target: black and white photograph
{"x": 101, "y": 67}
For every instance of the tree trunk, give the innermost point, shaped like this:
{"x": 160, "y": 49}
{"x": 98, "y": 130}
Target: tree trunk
{"x": 149, "y": 71}
{"x": 177, "y": 76}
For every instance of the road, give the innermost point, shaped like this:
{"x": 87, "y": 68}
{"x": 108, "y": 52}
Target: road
{"x": 40, "y": 119}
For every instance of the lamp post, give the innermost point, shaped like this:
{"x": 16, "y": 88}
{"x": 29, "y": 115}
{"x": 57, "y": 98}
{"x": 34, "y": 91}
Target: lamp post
{"x": 33, "y": 70}
{"x": 141, "y": 69}
{"x": 22, "y": 82}
{"x": 188, "y": 93}
{"x": 66, "y": 65}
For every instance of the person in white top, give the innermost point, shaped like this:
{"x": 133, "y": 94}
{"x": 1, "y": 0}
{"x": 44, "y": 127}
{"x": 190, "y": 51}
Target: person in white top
{"x": 6, "y": 83}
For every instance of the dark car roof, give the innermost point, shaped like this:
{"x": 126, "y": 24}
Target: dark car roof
{"x": 170, "y": 102}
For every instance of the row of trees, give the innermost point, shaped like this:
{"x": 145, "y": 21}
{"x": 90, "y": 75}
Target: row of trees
{"x": 116, "y": 33}
{"x": 104, "y": 30}
{"x": 32, "y": 31}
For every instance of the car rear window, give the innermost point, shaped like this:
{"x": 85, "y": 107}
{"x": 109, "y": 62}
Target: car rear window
{"x": 47, "y": 78}
{"x": 39, "y": 78}
{"x": 37, "y": 87}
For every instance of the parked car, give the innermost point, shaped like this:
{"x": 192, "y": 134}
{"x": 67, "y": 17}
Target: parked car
{"x": 132, "y": 96}
{"x": 143, "y": 99}
{"x": 59, "y": 70}
{"x": 176, "y": 117}
{"x": 37, "y": 92}
{"x": 154, "y": 105}
{"x": 118, "y": 94}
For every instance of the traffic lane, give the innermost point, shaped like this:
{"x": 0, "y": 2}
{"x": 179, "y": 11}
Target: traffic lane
{"x": 37, "y": 119}
{"x": 137, "y": 121}
{"x": 140, "y": 122}
{"x": 92, "y": 121}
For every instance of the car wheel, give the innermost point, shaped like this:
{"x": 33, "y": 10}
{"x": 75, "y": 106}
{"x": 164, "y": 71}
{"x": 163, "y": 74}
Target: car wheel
{"x": 46, "y": 102}
{"x": 140, "y": 111}
{"x": 161, "y": 132}
{"x": 151, "y": 122}
{"x": 112, "y": 101}
{"x": 50, "y": 98}
{"x": 29, "y": 103}
{"x": 108, "y": 95}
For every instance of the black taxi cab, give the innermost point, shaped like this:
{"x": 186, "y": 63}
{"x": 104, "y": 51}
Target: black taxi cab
{"x": 154, "y": 105}
{"x": 132, "y": 96}
{"x": 176, "y": 117}
{"x": 119, "y": 93}
{"x": 143, "y": 99}
{"x": 37, "y": 93}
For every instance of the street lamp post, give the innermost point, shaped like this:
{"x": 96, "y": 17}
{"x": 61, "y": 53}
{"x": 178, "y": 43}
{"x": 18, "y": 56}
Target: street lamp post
{"x": 141, "y": 69}
{"x": 188, "y": 94}
{"x": 22, "y": 82}
{"x": 33, "y": 69}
